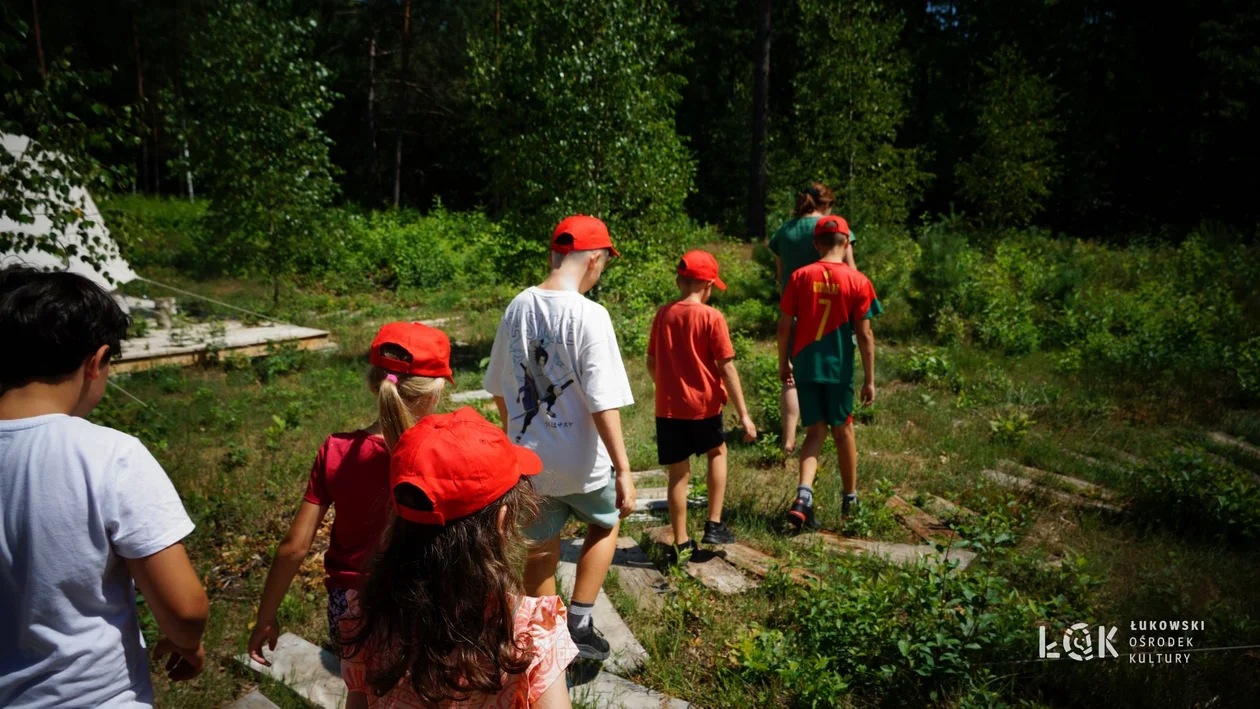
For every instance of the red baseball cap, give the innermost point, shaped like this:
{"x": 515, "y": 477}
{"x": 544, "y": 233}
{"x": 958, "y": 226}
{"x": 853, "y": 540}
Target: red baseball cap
{"x": 581, "y": 233}
{"x": 832, "y": 225}
{"x": 460, "y": 461}
{"x": 429, "y": 348}
{"x": 701, "y": 266}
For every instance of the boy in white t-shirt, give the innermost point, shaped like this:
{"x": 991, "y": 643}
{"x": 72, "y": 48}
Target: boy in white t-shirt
{"x": 557, "y": 378}
{"x": 85, "y": 511}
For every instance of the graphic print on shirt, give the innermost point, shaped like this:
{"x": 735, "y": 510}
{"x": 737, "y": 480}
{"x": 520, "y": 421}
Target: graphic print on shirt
{"x": 538, "y": 372}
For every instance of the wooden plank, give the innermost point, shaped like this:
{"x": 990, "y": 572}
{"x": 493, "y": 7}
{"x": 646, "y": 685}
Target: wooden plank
{"x": 940, "y": 507}
{"x": 1100, "y": 464}
{"x": 900, "y": 554}
{"x": 707, "y": 567}
{"x": 1224, "y": 439}
{"x": 759, "y": 563}
{"x": 1018, "y": 483}
{"x": 636, "y": 575}
{"x": 924, "y": 525}
{"x": 1064, "y": 482}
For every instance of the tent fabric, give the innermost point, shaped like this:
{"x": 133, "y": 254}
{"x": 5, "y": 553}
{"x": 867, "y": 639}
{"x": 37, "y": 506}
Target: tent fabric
{"x": 114, "y": 269}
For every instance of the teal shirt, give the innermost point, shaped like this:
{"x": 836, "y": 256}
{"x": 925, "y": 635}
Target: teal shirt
{"x": 793, "y": 243}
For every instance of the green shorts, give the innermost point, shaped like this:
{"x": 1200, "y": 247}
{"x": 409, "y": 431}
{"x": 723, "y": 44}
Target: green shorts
{"x": 597, "y": 507}
{"x": 829, "y": 403}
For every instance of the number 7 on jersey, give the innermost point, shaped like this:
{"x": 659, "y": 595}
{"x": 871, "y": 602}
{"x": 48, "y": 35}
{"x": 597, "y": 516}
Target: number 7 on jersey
{"x": 826, "y": 315}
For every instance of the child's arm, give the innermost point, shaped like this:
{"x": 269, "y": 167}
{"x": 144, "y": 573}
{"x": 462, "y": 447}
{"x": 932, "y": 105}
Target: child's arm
{"x": 174, "y": 594}
{"x": 289, "y": 556}
{"x": 501, "y": 404}
{"x": 608, "y": 423}
{"x": 556, "y": 696}
{"x": 730, "y": 375}
{"x": 866, "y": 345}
{"x": 785, "y": 344}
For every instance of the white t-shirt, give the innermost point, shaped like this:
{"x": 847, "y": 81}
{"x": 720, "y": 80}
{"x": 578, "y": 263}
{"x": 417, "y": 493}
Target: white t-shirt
{"x": 556, "y": 361}
{"x": 75, "y": 500}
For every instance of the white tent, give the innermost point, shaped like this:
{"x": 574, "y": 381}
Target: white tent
{"x": 114, "y": 269}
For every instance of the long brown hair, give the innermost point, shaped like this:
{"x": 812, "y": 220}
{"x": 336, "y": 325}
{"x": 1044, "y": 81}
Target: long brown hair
{"x": 815, "y": 198}
{"x": 403, "y": 400}
{"x": 438, "y": 609}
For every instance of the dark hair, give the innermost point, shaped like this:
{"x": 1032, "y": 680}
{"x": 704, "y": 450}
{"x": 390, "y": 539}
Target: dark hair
{"x": 438, "y": 608}
{"x": 830, "y": 239}
{"x": 815, "y": 198}
{"x": 51, "y": 321}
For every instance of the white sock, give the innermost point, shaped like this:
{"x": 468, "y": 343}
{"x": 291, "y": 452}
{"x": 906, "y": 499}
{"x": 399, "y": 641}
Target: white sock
{"x": 580, "y": 616}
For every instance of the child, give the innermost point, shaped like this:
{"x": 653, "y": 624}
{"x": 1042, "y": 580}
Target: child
{"x": 410, "y": 366}
{"x": 442, "y": 620}
{"x": 793, "y": 247}
{"x": 85, "y": 513}
{"x": 829, "y": 301}
{"x": 555, "y": 354}
{"x": 689, "y": 357}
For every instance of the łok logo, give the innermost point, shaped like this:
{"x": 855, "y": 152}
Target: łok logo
{"x": 1078, "y": 643}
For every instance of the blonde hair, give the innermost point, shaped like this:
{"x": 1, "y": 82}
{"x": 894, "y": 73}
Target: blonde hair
{"x": 400, "y": 404}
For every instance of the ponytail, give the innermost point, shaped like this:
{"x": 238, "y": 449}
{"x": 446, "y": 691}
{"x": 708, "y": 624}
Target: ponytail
{"x": 402, "y": 399}
{"x": 815, "y": 198}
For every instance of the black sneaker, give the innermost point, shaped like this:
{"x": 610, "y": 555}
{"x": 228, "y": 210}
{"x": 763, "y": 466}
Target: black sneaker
{"x": 718, "y": 533}
{"x": 674, "y": 553}
{"x": 847, "y": 504}
{"x": 590, "y": 644}
{"x": 801, "y": 517}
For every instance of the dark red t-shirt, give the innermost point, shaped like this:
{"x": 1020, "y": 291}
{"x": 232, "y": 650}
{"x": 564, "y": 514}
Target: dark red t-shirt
{"x": 351, "y": 473}
{"x": 687, "y": 341}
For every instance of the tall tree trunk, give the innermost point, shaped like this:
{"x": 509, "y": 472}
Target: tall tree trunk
{"x": 142, "y": 177}
{"x": 157, "y": 157}
{"x": 496, "y": 35}
{"x": 39, "y": 42}
{"x": 402, "y": 101}
{"x": 373, "y": 183}
{"x": 756, "y": 226}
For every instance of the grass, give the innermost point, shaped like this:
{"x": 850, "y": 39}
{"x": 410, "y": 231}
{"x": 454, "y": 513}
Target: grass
{"x": 238, "y": 442}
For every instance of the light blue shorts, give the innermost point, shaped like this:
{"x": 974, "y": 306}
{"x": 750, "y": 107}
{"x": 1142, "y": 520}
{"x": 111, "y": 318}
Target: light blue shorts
{"x": 597, "y": 507}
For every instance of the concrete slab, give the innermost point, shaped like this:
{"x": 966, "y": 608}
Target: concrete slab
{"x": 466, "y": 396}
{"x": 706, "y": 566}
{"x": 626, "y": 653}
{"x": 759, "y": 563}
{"x": 941, "y": 507}
{"x": 253, "y": 700}
{"x": 653, "y": 473}
{"x": 656, "y": 499}
{"x": 309, "y": 670}
{"x": 1063, "y": 482}
{"x": 608, "y": 691}
{"x": 924, "y": 525}
{"x": 900, "y": 554}
{"x": 636, "y": 575}
{"x": 192, "y": 344}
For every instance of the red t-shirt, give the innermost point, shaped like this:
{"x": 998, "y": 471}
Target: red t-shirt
{"x": 823, "y": 297}
{"x": 351, "y": 473}
{"x": 688, "y": 340}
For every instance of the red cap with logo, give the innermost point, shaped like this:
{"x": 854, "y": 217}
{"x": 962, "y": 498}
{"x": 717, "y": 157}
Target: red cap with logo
{"x": 581, "y": 233}
{"x": 832, "y": 225}
{"x": 429, "y": 350}
{"x": 460, "y": 461}
{"x": 701, "y": 266}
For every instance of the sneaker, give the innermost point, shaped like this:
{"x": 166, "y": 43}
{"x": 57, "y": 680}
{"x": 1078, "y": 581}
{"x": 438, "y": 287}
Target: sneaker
{"x": 590, "y": 643}
{"x": 718, "y": 533}
{"x": 801, "y": 516}
{"x": 674, "y": 553}
{"x": 847, "y": 504}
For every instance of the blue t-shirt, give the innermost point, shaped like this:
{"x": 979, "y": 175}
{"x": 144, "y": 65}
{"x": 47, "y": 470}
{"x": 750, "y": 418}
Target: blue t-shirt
{"x": 76, "y": 501}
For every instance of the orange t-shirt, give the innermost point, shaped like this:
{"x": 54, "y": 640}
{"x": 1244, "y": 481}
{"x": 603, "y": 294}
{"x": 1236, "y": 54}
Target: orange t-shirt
{"x": 688, "y": 340}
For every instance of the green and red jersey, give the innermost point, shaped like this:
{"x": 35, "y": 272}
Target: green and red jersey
{"x": 826, "y": 298}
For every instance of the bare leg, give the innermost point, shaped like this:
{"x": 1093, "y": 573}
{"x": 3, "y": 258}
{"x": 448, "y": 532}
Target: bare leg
{"x": 597, "y": 556}
{"x": 540, "y": 568}
{"x": 815, "y": 436}
{"x": 717, "y": 482}
{"x": 846, "y": 451}
{"x": 790, "y": 406}
{"x": 679, "y": 476}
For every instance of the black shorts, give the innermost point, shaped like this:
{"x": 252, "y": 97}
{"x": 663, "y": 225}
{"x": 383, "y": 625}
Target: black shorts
{"x": 679, "y": 439}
